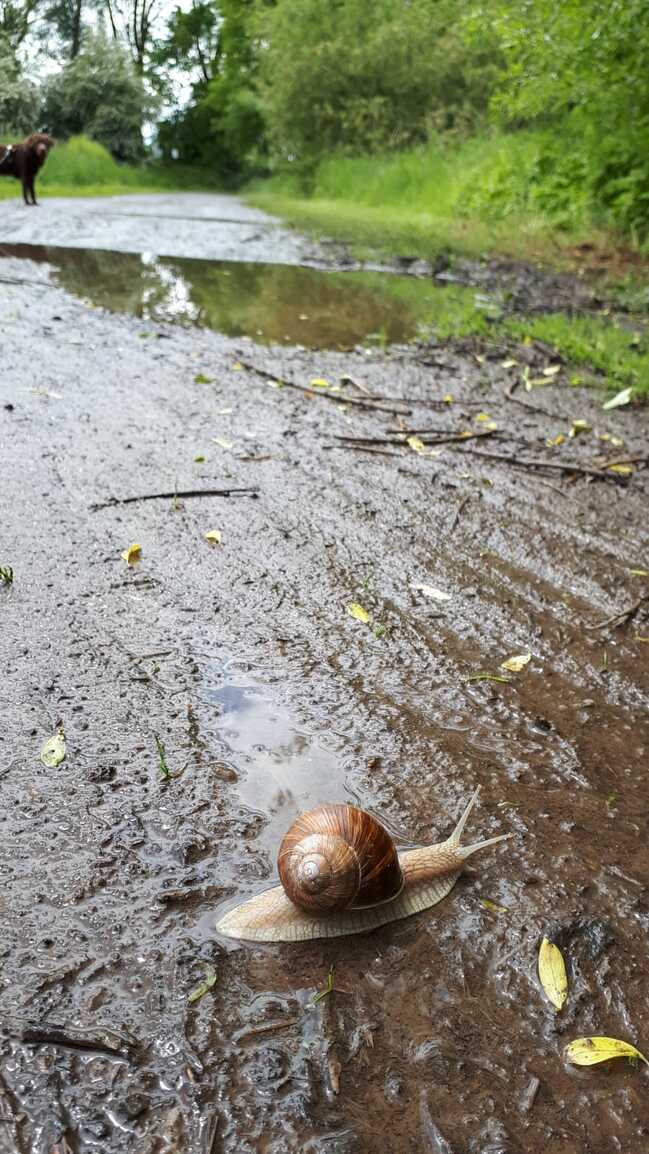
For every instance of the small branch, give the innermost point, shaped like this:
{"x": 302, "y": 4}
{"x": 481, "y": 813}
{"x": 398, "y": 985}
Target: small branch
{"x": 458, "y": 513}
{"x": 622, "y": 618}
{"x": 179, "y": 493}
{"x": 363, "y": 449}
{"x": 509, "y": 393}
{"x": 401, "y": 438}
{"x": 371, "y": 403}
{"x": 76, "y": 1038}
{"x": 538, "y": 463}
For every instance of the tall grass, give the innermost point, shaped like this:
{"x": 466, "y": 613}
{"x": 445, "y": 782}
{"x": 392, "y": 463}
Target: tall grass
{"x": 498, "y": 190}
{"x": 82, "y": 167}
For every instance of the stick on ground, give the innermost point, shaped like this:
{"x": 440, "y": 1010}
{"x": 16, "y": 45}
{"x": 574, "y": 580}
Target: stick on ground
{"x": 179, "y": 493}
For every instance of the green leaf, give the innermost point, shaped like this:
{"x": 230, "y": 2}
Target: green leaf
{"x": 53, "y": 752}
{"x": 205, "y": 985}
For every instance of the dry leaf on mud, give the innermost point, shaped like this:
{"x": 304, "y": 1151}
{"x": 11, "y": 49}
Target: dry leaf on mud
{"x": 590, "y": 1051}
{"x": 355, "y": 610}
{"x": 431, "y": 591}
{"x": 558, "y": 440}
{"x": 420, "y": 449}
{"x": 639, "y": 572}
{"x": 53, "y": 752}
{"x": 319, "y": 383}
{"x": 205, "y": 985}
{"x": 132, "y": 554}
{"x": 579, "y": 427}
{"x": 552, "y": 973}
{"x": 622, "y": 398}
{"x": 213, "y": 535}
{"x": 515, "y": 664}
{"x": 624, "y": 470}
{"x": 551, "y": 370}
{"x": 508, "y": 364}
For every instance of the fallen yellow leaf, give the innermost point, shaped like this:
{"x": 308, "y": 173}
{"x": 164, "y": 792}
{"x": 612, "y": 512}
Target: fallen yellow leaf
{"x": 558, "y": 440}
{"x": 448, "y": 398}
{"x": 552, "y": 973}
{"x": 357, "y": 611}
{"x": 213, "y": 535}
{"x": 132, "y": 554}
{"x": 552, "y": 370}
{"x": 319, "y": 383}
{"x": 222, "y": 443}
{"x": 508, "y": 364}
{"x": 640, "y": 572}
{"x": 237, "y": 366}
{"x": 483, "y": 417}
{"x": 416, "y": 444}
{"x": 623, "y": 469}
{"x": 579, "y": 427}
{"x": 590, "y": 1051}
{"x": 515, "y": 664}
{"x": 53, "y": 752}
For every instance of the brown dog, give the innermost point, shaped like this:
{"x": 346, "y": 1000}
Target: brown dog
{"x": 24, "y": 160}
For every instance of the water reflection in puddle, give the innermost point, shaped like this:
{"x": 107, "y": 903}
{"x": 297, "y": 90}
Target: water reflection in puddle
{"x": 282, "y": 768}
{"x": 272, "y": 304}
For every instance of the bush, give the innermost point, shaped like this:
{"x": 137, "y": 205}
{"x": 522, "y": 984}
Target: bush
{"x": 99, "y": 94}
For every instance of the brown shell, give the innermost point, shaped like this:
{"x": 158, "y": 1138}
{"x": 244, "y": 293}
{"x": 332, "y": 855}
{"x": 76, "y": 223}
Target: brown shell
{"x": 336, "y": 857}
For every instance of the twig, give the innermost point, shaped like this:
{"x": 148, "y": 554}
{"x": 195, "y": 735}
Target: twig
{"x": 624, "y": 461}
{"x": 458, "y": 513}
{"x": 369, "y": 402}
{"x": 401, "y": 438}
{"x": 184, "y": 493}
{"x": 363, "y": 449}
{"x": 509, "y": 393}
{"x": 622, "y": 618}
{"x": 538, "y": 463}
{"x": 75, "y": 1038}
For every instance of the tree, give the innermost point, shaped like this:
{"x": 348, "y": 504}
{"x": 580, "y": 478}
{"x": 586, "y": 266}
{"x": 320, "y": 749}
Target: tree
{"x": 20, "y": 100}
{"x": 100, "y": 94}
{"x": 134, "y": 19}
{"x": 16, "y": 20}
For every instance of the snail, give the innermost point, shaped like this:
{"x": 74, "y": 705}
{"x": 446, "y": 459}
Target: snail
{"x": 341, "y": 874}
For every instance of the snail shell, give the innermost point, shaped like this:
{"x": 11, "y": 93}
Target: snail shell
{"x": 336, "y": 857}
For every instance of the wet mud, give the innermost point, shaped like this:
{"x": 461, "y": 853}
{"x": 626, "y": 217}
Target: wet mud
{"x": 242, "y": 658}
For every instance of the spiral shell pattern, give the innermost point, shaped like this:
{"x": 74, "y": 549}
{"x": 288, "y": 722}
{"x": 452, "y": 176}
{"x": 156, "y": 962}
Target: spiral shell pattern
{"x": 336, "y": 857}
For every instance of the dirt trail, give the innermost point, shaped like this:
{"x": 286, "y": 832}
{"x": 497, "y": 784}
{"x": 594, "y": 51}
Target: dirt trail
{"x": 269, "y": 698}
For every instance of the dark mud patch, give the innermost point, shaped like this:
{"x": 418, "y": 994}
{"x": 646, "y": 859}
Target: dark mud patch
{"x": 269, "y": 697}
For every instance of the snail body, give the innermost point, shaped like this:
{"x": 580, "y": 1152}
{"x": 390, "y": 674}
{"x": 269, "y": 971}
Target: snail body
{"x": 341, "y": 874}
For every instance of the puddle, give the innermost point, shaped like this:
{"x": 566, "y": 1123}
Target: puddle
{"x": 271, "y": 303}
{"x": 282, "y": 768}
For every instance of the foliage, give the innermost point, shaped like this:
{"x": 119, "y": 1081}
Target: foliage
{"x": 224, "y": 125}
{"x": 19, "y": 99}
{"x": 16, "y": 20}
{"x": 99, "y": 94}
{"x": 366, "y": 75}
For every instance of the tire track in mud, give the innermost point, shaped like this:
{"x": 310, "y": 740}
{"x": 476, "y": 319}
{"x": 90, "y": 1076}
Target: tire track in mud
{"x": 112, "y": 876}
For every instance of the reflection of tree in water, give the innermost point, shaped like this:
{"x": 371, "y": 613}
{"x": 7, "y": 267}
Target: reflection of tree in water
{"x": 293, "y": 304}
{"x": 123, "y": 281}
{"x": 271, "y": 303}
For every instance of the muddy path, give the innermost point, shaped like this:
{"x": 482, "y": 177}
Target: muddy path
{"x": 242, "y": 658}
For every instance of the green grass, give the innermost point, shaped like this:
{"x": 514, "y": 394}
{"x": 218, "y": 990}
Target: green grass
{"x": 481, "y": 194}
{"x": 81, "y": 167}
{"x": 618, "y": 353}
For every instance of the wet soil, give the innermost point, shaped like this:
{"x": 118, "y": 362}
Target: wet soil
{"x": 269, "y": 697}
